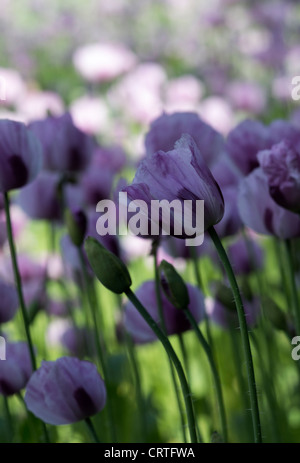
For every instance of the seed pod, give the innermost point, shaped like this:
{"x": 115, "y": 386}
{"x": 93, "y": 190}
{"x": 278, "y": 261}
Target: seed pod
{"x": 108, "y": 268}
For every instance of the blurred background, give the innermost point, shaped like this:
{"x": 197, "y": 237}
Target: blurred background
{"x": 117, "y": 65}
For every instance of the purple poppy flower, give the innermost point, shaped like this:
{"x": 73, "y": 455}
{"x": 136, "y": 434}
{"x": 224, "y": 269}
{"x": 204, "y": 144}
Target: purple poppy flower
{"x": 109, "y": 157}
{"x": 281, "y": 165}
{"x": 9, "y": 302}
{"x": 32, "y": 274}
{"x": 168, "y": 128}
{"x": 58, "y": 308}
{"x": 261, "y": 213}
{"x": 280, "y": 130}
{"x": 40, "y": 200}
{"x": 72, "y": 149}
{"x": 176, "y": 248}
{"x": 21, "y": 155}
{"x": 245, "y": 256}
{"x": 15, "y": 371}
{"x": 231, "y": 222}
{"x": 179, "y": 174}
{"x": 175, "y": 319}
{"x": 244, "y": 142}
{"x": 62, "y": 332}
{"x": 96, "y": 184}
{"x": 65, "y": 391}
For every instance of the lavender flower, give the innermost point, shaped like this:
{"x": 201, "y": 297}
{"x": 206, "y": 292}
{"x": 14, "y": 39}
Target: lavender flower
{"x": 261, "y": 213}
{"x": 281, "y": 165}
{"x": 175, "y": 319}
{"x": 168, "y": 128}
{"x": 66, "y": 148}
{"x": 20, "y": 158}
{"x": 9, "y": 302}
{"x": 179, "y": 174}
{"x": 15, "y": 371}
{"x": 65, "y": 391}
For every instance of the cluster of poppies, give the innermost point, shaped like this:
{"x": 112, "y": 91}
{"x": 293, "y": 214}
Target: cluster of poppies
{"x": 250, "y": 184}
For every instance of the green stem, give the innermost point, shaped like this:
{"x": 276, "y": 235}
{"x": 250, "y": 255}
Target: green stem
{"x": 171, "y": 353}
{"x": 138, "y": 387}
{"x": 184, "y": 355}
{"x": 92, "y": 430}
{"x": 93, "y": 306}
{"x": 18, "y": 280}
{"x": 294, "y": 294}
{"x": 214, "y": 371}
{"x": 8, "y": 418}
{"x": 164, "y": 329}
{"x": 244, "y": 334}
{"x": 201, "y": 287}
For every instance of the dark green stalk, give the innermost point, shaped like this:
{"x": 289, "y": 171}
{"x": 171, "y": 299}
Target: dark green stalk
{"x": 171, "y": 353}
{"x": 163, "y": 326}
{"x": 138, "y": 387}
{"x": 93, "y": 306}
{"x": 294, "y": 294}
{"x": 9, "y": 421}
{"x": 18, "y": 280}
{"x": 214, "y": 371}
{"x": 244, "y": 334}
{"x": 92, "y": 430}
{"x": 200, "y": 286}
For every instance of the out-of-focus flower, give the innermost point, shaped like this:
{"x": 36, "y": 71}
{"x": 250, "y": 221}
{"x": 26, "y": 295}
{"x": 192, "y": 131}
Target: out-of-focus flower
{"x": 40, "y": 199}
{"x": 244, "y": 142}
{"x": 179, "y": 174}
{"x": 245, "y": 256}
{"x": 111, "y": 157}
{"x": 281, "y": 165}
{"x": 280, "y": 130}
{"x": 20, "y": 156}
{"x": 96, "y": 184}
{"x": 32, "y": 275}
{"x": 37, "y": 105}
{"x": 139, "y": 94}
{"x": 227, "y": 317}
{"x": 62, "y": 332}
{"x": 90, "y": 114}
{"x": 58, "y": 308}
{"x": 218, "y": 113}
{"x": 72, "y": 149}
{"x": 9, "y": 302}
{"x": 15, "y": 371}
{"x": 12, "y": 86}
{"x": 65, "y": 391}
{"x": 175, "y": 319}
{"x": 260, "y": 212}
{"x": 247, "y": 96}
{"x": 176, "y": 248}
{"x": 168, "y": 128}
{"x": 281, "y": 88}
{"x": 3, "y": 233}
{"x": 101, "y": 62}
{"x": 183, "y": 93}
